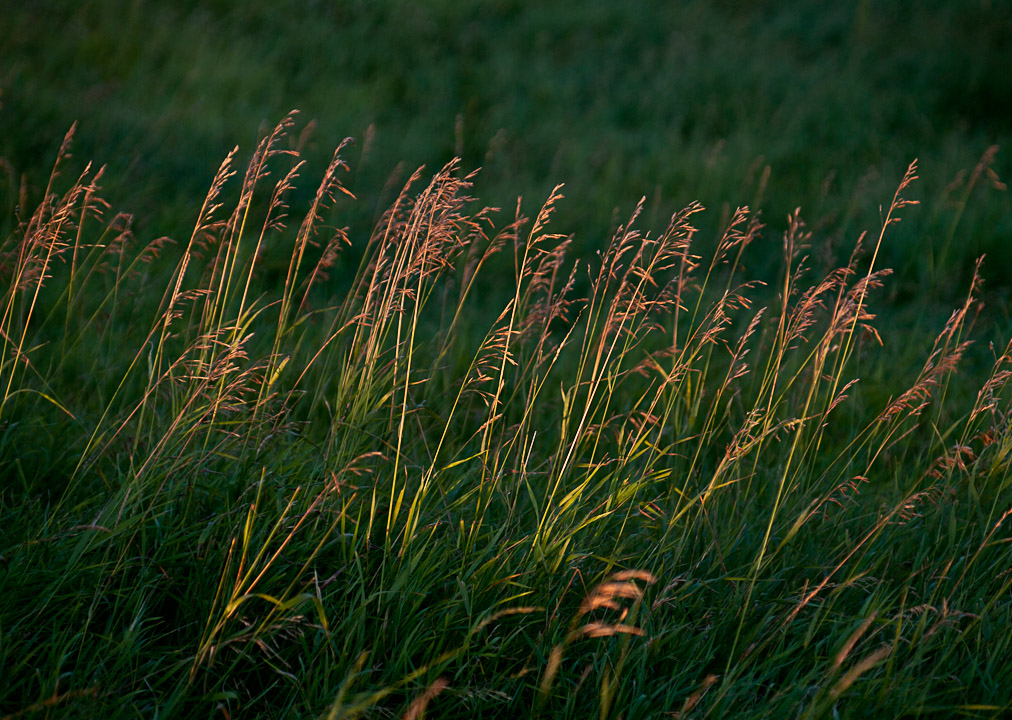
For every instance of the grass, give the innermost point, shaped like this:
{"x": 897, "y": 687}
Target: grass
{"x": 643, "y": 484}
{"x": 340, "y": 440}
{"x": 770, "y": 105}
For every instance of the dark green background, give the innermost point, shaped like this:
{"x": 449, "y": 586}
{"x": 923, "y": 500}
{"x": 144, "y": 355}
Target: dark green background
{"x": 675, "y": 101}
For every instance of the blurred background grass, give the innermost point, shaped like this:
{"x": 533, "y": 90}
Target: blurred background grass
{"x": 675, "y": 101}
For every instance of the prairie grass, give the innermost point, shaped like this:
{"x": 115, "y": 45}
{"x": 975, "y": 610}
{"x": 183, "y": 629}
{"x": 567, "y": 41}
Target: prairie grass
{"x": 774, "y": 105}
{"x": 647, "y": 485}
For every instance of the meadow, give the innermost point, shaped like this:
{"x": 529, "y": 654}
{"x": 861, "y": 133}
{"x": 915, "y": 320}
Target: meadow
{"x": 296, "y": 430}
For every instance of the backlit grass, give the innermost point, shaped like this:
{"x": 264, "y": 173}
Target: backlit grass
{"x": 639, "y": 483}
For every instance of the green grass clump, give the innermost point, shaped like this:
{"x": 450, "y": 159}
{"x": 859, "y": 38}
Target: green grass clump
{"x": 639, "y": 485}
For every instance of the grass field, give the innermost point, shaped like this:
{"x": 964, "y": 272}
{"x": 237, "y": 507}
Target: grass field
{"x": 309, "y": 434}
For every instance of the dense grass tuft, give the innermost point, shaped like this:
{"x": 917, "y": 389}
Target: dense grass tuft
{"x": 641, "y": 484}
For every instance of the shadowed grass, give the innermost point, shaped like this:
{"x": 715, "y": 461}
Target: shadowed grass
{"x": 771, "y": 104}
